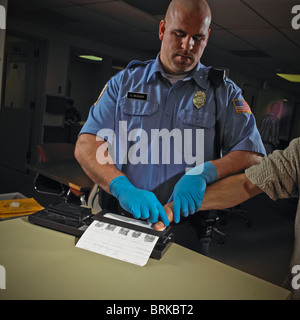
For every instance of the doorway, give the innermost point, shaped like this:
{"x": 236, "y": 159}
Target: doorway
{"x": 22, "y": 104}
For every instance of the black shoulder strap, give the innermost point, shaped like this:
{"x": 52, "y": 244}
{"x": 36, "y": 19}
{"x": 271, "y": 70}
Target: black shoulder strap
{"x": 216, "y": 77}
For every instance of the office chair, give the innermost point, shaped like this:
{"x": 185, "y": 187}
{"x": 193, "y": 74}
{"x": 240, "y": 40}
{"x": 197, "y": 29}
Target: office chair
{"x": 95, "y": 198}
{"x": 209, "y": 225}
{"x": 224, "y": 215}
{"x": 49, "y": 152}
{"x": 211, "y": 222}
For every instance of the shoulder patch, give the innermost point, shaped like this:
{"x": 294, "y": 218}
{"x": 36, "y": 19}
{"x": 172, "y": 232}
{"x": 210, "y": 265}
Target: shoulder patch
{"x": 101, "y": 94}
{"x": 241, "y": 106}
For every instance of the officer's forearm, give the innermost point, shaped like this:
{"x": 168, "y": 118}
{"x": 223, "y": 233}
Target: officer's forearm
{"x": 235, "y": 162}
{"x": 88, "y": 155}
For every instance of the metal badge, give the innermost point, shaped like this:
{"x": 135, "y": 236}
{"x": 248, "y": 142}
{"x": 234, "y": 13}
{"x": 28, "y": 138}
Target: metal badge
{"x": 199, "y": 99}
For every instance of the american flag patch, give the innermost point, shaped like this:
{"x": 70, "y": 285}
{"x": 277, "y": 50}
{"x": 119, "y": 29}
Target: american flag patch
{"x": 241, "y": 106}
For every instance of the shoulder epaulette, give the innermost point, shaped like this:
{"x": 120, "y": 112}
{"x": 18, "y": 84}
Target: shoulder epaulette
{"x": 136, "y": 63}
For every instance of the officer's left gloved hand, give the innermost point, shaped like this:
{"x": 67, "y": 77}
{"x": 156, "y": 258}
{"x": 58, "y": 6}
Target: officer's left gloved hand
{"x": 189, "y": 191}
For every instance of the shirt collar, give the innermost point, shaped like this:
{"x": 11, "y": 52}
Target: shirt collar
{"x": 155, "y": 68}
{"x": 199, "y": 74}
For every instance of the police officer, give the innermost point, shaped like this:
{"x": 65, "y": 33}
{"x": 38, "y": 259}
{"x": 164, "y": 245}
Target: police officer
{"x": 169, "y": 98}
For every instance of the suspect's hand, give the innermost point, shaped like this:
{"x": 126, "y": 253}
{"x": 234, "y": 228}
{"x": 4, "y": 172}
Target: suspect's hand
{"x": 160, "y": 226}
{"x": 140, "y": 203}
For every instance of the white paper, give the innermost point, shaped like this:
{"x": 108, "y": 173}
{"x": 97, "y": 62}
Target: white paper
{"x": 118, "y": 242}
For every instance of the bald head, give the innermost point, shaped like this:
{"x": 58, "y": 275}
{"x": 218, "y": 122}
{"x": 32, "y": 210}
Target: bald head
{"x": 193, "y": 6}
{"x": 184, "y": 33}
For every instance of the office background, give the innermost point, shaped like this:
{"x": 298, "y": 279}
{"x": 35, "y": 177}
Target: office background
{"x": 39, "y": 50}
{"x": 252, "y": 39}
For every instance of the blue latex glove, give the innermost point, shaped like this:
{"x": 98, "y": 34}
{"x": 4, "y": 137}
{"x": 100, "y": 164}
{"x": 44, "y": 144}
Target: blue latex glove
{"x": 189, "y": 191}
{"x": 140, "y": 203}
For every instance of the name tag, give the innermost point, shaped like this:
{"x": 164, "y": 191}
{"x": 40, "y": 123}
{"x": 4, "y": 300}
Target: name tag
{"x": 136, "y": 96}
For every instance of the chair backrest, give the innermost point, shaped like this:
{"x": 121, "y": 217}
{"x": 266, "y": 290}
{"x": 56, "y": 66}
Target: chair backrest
{"x": 94, "y": 198}
{"x": 55, "y": 151}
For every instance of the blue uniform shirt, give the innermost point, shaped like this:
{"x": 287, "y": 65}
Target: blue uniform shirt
{"x": 157, "y": 130}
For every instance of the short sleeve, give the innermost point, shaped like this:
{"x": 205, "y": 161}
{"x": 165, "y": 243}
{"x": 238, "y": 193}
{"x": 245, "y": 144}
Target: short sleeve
{"x": 240, "y": 130}
{"x": 101, "y": 119}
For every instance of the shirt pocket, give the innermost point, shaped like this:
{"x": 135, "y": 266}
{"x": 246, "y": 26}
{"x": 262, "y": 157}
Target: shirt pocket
{"x": 138, "y": 107}
{"x": 198, "y": 126}
{"x": 196, "y": 118}
{"x": 139, "y": 114}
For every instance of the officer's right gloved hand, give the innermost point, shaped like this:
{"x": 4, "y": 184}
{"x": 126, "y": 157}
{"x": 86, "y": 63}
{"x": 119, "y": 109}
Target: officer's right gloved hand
{"x": 140, "y": 203}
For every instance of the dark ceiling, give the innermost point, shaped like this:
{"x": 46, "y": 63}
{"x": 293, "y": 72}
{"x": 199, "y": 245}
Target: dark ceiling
{"x": 254, "y": 37}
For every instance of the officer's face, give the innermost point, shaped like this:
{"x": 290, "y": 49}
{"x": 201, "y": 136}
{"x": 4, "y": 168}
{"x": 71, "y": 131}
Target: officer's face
{"x": 184, "y": 36}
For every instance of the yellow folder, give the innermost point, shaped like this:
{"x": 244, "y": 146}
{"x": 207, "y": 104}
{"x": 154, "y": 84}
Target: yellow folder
{"x": 18, "y": 207}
